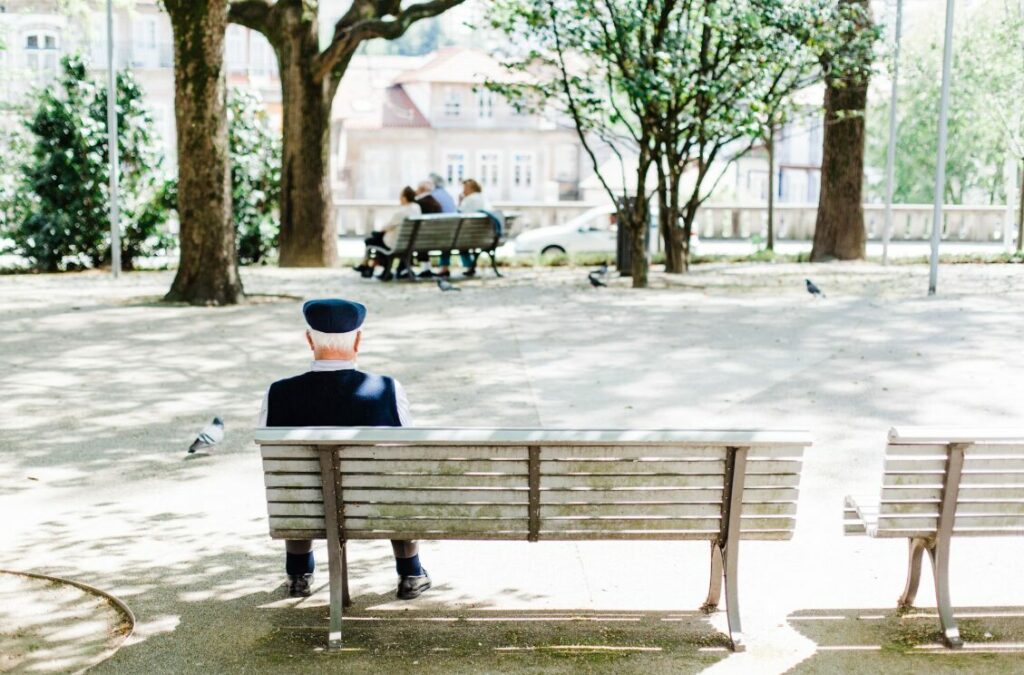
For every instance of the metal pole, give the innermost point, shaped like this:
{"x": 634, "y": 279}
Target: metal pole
{"x": 890, "y": 162}
{"x": 940, "y": 160}
{"x": 115, "y": 211}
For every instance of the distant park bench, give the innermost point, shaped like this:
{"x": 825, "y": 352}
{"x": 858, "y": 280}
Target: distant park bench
{"x": 535, "y": 485}
{"x": 939, "y": 484}
{"x": 470, "y": 233}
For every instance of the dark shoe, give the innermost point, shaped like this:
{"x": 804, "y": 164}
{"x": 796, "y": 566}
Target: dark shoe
{"x": 470, "y": 272}
{"x": 299, "y": 586}
{"x": 386, "y": 276}
{"x": 425, "y": 274}
{"x": 412, "y": 587}
{"x": 360, "y": 268}
{"x": 366, "y": 272}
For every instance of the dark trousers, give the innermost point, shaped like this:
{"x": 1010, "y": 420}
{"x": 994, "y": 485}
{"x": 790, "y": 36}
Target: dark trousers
{"x": 402, "y": 549}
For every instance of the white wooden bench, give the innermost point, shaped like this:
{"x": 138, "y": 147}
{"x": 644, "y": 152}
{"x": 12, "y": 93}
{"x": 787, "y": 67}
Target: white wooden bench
{"x": 533, "y": 485}
{"x": 939, "y": 484}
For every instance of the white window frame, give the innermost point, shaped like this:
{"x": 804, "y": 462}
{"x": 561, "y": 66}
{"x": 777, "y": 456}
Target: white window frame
{"x": 452, "y": 102}
{"x": 454, "y": 167}
{"x": 45, "y": 58}
{"x": 523, "y": 170}
{"x": 488, "y": 168}
{"x": 485, "y": 103}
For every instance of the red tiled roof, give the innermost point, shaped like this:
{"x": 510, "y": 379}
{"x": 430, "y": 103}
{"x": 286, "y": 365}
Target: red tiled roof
{"x": 400, "y": 111}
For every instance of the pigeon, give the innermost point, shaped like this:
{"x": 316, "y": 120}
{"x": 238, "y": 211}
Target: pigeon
{"x": 812, "y": 289}
{"x": 594, "y": 281}
{"x": 446, "y": 285}
{"x": 211, "y": 435}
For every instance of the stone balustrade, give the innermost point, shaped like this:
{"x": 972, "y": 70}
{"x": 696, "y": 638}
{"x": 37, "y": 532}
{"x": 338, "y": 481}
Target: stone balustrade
{"x": 728, "y": 221}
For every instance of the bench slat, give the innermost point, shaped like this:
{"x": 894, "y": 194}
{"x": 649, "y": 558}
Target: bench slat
{"x": 626, "y": 452}
{"x": 432, "y": 452}
{"x": 624, "y": 524}
{"x": 303, "y": 509}
{"x": 297, "y": 534}
{"x": 295, "y": 495}
{"x": 630, "y": 510}
{"x": 774, "y": 467}
{"x": 634, "y": 467}
{"x": 438, "y": 496}
{"x": 443, "y": 467}
{"x": 968, "y": 479}
{"x": 462, "y": 481}
{"x": 291, "y": 466}
{"x": 437, "y": 535}
{"x": 586, "y": 496}
{"x": 296, "y": 523}
{"x": 966, "y": 493}
{"x": 436, "y": 510}
{"x": 288, "y": 452}
{"x": 439, "y": 524}
{"x": 291, "y": 480}
{"x": 608, "y": 482}
{"x": 936, "y": 450}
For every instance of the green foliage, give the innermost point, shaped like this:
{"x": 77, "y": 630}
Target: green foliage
{"x": 986, "y": 124}
{"x": 679, "y": 83}
{"x": 255, "y": 176}
{"x": 63, "y": 219}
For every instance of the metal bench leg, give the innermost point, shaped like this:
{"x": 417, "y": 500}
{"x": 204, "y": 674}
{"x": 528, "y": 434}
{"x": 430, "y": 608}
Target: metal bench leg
{"x": 939, "y": 554}
{"x": 334, "y": 555}
{"x": 346, "y": 599}
{"x": 715, "y": 585}
{"x": 917, "y": 549}
{"x": 494, "y": 262}
{"x": 732, "y": 602}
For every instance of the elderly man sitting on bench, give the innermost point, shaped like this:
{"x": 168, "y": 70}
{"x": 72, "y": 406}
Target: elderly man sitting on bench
{"x": 333, "y": 393}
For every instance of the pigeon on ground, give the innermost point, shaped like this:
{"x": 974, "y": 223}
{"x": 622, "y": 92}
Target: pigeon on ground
{"x": 211, "y": 435}
{"x": 594, "y": 280}
{"x": 446, "y": 285}
{"x": 812, "y": 289}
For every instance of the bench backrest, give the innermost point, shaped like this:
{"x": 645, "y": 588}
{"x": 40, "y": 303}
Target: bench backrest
{"x": 923, "y": 467}
{"x": 406, "y": 234}
{"x": 436, "y": 231}
{"x": 477, "y": 232}
{"x": 531, "y": 484}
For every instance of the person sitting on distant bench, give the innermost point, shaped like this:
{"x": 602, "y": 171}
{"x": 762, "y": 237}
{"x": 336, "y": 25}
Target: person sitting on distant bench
{"x": 387, "y": 237}
{"x": 471, "y": 200}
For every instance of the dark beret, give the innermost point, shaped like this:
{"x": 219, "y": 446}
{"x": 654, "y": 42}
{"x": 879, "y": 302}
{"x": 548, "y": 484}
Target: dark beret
{"x": 333, "y": 315}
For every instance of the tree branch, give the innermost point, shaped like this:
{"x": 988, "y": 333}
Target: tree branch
{"x": 363, "y": 22}
{"x": 253, "y": 14}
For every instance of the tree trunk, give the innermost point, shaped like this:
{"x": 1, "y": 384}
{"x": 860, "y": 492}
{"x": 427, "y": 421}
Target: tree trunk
{"x": 771, "y": 189}
{"x": 673, "y": 251}
{"x": 208, "y": 266}
{"x": 1020, "y": 213}
{"x": 839, "y": 230}
{"x": 308, "y": 233}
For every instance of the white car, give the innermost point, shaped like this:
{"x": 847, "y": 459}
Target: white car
{"x": 592, "y": 231}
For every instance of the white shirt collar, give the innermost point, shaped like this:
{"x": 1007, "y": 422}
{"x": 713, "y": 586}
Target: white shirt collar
{"x": 322, "y": 365}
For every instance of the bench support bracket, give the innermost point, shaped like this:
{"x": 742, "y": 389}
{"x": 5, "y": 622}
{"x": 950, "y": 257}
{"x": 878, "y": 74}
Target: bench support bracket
{"x": 938, "y": 550}
{"x": 330, "y": 481}
{"x": 725, "y": 551}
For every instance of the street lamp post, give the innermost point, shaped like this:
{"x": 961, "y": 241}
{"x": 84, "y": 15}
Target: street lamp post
{"x": 940, "y": 159}
{"x": 890, "y": 163}
{"x": 115, "y": 214}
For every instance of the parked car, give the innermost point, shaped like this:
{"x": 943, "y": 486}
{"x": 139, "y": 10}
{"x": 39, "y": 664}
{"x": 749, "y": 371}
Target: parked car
{"x": 593, "y": 231}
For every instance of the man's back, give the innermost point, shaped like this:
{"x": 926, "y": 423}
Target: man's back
{"x": 337, "y": 398}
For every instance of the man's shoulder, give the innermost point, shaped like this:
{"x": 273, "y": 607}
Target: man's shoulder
{"x": 316, "y": 374}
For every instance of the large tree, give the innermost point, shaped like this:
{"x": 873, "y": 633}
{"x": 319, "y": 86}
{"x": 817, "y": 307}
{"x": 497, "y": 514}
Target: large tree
{"x": 208, "y": 265}
{"x": 309, "y": 80}
{"x": 846, "y": 60}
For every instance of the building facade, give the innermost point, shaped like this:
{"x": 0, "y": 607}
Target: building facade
{"x": 398, "y": 119}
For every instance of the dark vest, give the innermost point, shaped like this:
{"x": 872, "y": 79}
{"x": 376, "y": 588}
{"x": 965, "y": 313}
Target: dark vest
{"x": 337, "y": 398}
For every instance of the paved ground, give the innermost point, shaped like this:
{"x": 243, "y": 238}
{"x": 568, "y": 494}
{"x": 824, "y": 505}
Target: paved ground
{"x": 102, "y": 389}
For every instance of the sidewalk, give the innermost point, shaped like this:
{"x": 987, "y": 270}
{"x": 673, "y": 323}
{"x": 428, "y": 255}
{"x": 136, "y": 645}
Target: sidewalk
{"x": 103, "y": 389}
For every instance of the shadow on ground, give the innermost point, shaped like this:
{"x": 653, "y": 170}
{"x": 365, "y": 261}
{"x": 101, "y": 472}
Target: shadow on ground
{"x": 884, "y": 641}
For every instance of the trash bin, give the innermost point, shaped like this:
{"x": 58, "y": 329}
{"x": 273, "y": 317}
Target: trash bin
{"x": 624, "y": 243}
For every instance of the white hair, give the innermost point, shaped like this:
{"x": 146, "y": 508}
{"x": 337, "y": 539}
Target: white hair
{"x": 333, "y": 341}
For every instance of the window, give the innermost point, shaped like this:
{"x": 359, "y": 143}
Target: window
{"x": 41, "y": 52}
{"x": 487, "y": 164}
{"x": 236, "y": 49}
{"x": 144, "y": 54}
{"x": 454, "y": 167}
{"x": 522, "y": 170}
{"x": 452, "y": 103}
{"x": 485, "y": 103}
